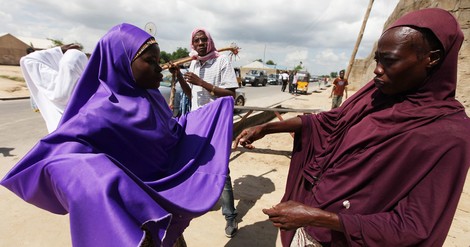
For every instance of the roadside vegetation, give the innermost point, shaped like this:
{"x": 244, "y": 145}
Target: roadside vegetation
{"x": 13, "y": 78}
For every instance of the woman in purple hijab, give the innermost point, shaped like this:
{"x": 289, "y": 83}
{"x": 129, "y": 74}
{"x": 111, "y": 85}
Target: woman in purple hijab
{"x": 126, "y": 171}
{"x": 387, "y": 167}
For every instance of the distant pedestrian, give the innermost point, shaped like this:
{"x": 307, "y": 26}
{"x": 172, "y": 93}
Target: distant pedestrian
{"x": 291, "y": 78}
{"x": 285, "y": 78}
{"x": 325, "y": 83}
{"x": 294, "y": 82}
{"x": 339, "y": 89}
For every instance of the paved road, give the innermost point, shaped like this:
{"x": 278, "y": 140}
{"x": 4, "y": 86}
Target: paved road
{"x": 20, "y": 127}
{"x": 19, "y": 122}
{"x": 267, "y": 96}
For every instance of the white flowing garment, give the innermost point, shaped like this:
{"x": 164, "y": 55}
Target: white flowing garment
{"x": 51, "y": 77}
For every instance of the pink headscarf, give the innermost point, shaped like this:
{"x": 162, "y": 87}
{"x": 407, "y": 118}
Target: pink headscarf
{"x": 211, "y": 50}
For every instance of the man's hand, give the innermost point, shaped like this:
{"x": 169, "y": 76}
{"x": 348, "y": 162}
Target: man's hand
{"x": 192, "y": 78}
{"x": 248, "y": 136}
{"x": 174, "y": 70}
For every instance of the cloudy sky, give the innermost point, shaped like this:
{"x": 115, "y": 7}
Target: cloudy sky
{"x": 319, "y": 33}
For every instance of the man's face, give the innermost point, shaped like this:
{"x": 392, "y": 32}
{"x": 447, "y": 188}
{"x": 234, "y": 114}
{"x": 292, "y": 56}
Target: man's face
{"x": 200, "y": 43}
{"x": 341, "y": 74}
{"x": 399, "y": 66}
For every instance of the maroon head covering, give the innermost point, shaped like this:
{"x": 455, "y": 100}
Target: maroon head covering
{"x": 392, "y": 167}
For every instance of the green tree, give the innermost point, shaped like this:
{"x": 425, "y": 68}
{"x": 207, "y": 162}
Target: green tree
{"x": 180, "y": 53}
{"x": 58, "y": 42}
{"x": 165, "y": 57}
{"x": 334, "y": 74}
{"x": 270, "y": 62}
{"x": 298, "y": 67}
{"x": 259, "y": 60}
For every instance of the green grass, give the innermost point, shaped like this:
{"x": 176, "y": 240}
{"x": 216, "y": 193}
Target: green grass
{"x": 14, "y": 78}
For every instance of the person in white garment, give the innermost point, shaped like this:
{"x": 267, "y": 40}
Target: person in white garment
{"x": 51, "y": 76}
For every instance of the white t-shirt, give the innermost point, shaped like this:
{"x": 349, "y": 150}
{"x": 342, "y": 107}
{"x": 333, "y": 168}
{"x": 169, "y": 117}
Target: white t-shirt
{"x": 217, "y": 71}
{"x": 285, "y": 76}
{"x": 295, "y": 79}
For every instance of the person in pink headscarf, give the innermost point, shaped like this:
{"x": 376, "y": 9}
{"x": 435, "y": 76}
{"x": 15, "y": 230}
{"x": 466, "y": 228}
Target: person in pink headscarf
{"x": 387, "y": 167}
{"x": 211, "y": 75}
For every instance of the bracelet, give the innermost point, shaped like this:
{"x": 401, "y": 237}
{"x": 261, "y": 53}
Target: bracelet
{"x": 212, "y": 91}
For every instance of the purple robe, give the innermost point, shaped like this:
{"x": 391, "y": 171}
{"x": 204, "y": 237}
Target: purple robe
{"x": 119, "y": 163}
{"x": 391, "y": 167}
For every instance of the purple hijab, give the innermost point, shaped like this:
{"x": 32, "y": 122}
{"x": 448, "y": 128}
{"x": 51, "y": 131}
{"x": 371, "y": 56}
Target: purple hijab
{"x": 119, "y": 163}
{"x": 393, "y": 168}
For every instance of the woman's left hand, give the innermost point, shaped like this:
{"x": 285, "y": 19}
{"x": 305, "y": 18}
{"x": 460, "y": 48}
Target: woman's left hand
{"x": 291, "y": 215}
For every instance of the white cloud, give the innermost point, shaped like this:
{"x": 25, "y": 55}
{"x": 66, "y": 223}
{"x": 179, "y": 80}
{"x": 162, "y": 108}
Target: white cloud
{"x": 320, "y": 33}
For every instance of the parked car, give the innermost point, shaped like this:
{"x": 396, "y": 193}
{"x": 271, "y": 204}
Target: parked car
{"x": 273, "y": 79}
{"x": 255, "y": 77}
{"x": 165, "y": 90}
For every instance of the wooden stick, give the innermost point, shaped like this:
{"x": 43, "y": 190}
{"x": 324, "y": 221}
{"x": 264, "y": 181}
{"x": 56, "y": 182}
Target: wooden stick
{"x": 172, "y": 91}
{"x": 177, "y": 62}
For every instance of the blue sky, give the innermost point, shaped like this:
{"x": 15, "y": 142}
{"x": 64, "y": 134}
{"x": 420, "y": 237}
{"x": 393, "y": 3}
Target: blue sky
{"x": 319, "y": 33}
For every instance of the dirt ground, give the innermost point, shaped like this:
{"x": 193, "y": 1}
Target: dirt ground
{"x": 258, "y": 176}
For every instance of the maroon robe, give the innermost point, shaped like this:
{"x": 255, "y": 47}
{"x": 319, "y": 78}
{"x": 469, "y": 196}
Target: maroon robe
{"x": 392, "y": 167}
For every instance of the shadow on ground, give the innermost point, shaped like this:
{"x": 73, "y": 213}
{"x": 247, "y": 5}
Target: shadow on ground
{"x": 6, "y": 151}
{"x": 243, "y": 150}
{"x": 261, "y": 233}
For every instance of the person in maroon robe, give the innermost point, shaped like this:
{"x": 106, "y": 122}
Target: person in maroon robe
{"x": 387, "y": 168}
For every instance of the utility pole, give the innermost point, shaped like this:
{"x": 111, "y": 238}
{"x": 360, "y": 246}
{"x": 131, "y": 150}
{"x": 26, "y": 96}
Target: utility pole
{"x": 359, "y": 38}
{"x": 264, "y": 54}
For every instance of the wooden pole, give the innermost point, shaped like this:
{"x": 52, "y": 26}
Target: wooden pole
{"x": 172, "y": 91}
{"x": 359, "y": 38}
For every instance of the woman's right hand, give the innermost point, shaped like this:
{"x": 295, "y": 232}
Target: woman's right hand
{"x": 248, "y": 136}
